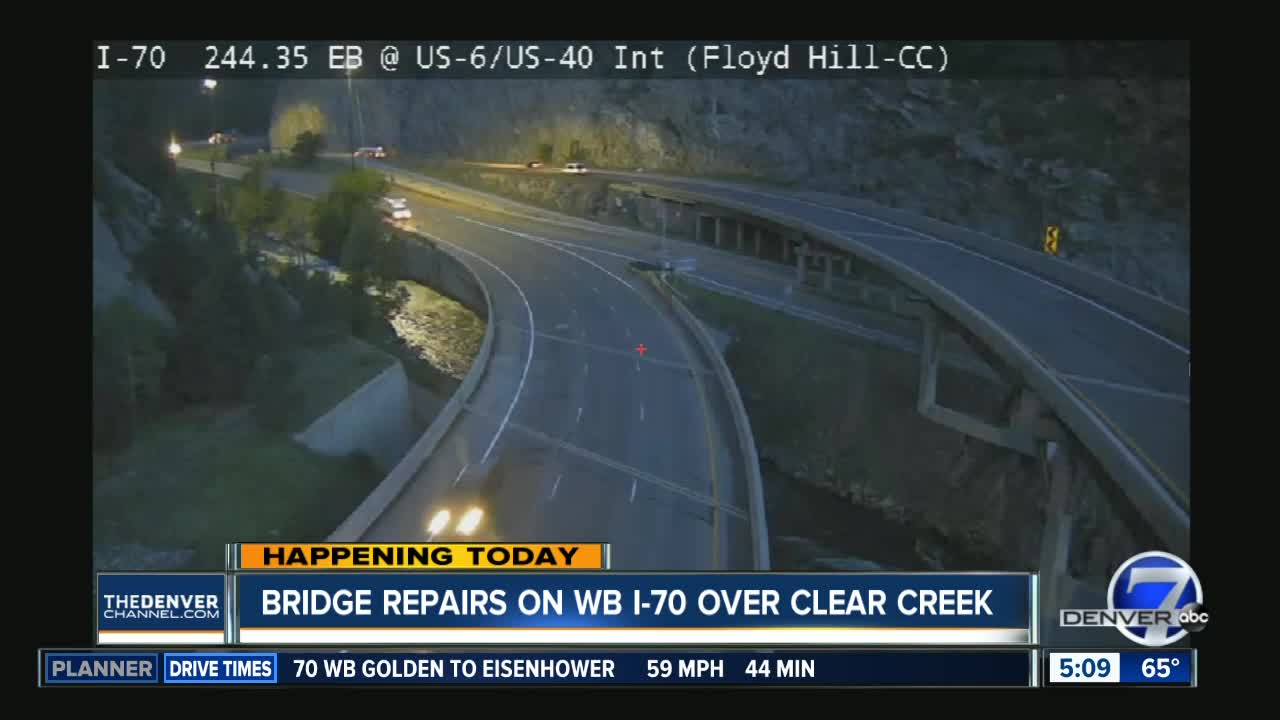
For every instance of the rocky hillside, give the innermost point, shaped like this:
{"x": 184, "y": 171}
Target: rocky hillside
{"x": 1105, "y": 158}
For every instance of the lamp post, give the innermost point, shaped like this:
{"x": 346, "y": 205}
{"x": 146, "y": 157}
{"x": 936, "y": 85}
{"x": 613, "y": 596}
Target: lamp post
{"x": 351, "y": 119}
{"x": 210, "y": 85}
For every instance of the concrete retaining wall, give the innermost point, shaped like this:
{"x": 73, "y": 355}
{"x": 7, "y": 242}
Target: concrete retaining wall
{"x": 429, "y": 265}
{"x": 742, "y": 425}
{"x": 376, "y": 419}
{"x": 470, "y": 286}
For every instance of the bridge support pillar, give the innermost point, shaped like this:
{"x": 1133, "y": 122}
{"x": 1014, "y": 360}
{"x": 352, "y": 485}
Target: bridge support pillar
{"x": 1015, "y": 437}
{"x": 1055, "y": 541}
{"x": 826, "y": 271}
{"x": 742, "y": 234}
{"x": 801, "y": 261}
{"x": 697, "y": 228}
{"x": 848, "y": 266}
{"x": 757, "y": 232}
{"x": 719, "y": 228}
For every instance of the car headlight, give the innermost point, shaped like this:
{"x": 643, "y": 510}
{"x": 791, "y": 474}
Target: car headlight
{"x": 439, "y": 522}
{"x": 470, "y": 521}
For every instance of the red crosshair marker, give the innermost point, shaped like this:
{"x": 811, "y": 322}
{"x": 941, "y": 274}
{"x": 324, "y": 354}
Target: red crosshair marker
{"x": 641, "y": 349}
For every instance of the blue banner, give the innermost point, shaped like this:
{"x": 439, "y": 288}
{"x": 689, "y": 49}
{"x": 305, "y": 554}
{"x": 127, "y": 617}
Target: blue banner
{"x": 569, "y": 607}
{"x": 212, "y": 668}
{"x": 835, "y": 668}
{"x": 1174, "y": 667}
{"x": 145, "y": 601}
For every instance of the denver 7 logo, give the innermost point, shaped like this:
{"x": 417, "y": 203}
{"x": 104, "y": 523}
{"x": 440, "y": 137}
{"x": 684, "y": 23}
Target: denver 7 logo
{"x": 1159, "y": 582}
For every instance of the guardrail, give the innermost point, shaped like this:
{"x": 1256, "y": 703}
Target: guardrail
{"x": 369, "y": 510}
{"x": 1170, "y": 319}
{"x": 363, "y": 517}
{"x": 1148, "y": 493}
{"x": 741, "y": 423}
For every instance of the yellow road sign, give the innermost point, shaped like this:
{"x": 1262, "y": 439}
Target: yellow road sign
{"x": 1051, "y": 235}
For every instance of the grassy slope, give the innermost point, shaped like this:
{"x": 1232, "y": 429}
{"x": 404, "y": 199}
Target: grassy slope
{"x": 326, "y": 375}
{"x": 202, "y": 478}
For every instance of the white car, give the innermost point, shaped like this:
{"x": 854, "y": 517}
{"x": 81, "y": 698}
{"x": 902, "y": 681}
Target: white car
{"x": 575, "y": 168}
{"x": 396, "y": 208}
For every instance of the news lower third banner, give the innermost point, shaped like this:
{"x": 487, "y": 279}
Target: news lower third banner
{"x": 608, "y": 667}
{"x": 633, "y": 609}
{"x": 162, "y": 609}
{"x": 417, "y": 556}
{"x": 546, "y": 594}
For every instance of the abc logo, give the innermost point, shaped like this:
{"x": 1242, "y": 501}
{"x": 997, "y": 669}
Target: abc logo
{"x": 1193, "y": 617}
{"x": 1166, "y": 587}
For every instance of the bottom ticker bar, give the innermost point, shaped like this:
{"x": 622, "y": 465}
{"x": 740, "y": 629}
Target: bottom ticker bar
{"x": 845, "y": 668}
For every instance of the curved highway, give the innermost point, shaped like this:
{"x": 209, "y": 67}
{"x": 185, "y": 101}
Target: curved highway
{"x": 597, "y": 408}
{"x": 1121, "y": 383}
{"x": 598, "y": 426}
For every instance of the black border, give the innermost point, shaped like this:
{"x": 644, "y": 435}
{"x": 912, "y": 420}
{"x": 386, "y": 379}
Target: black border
{"x": 62, "y": 609}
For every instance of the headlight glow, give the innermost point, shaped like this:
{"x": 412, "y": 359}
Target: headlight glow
{"x": 439, "y": 522}
{"x": 470, "y": 521}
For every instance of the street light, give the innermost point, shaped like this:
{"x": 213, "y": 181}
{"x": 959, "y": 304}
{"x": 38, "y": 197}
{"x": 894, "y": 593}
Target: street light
{"x": 209, "y": 86}
{"x": 351, "y": 115}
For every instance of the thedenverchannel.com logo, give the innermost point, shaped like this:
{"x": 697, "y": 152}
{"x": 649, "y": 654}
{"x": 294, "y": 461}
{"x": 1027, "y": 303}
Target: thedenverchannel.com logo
{"x": 1154, "y": 599}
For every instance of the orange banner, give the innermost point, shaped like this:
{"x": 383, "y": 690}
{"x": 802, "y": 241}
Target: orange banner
{"x": 422, "y": 556}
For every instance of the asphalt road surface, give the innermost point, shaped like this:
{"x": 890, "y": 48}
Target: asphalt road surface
{"x": 1134, "y": 379}
{"x": 595, "y": 439}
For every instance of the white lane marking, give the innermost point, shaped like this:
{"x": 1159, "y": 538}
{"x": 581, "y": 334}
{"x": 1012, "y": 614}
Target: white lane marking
{"x": 641, "y": 412}
{"x": 595, "y": 290}
{"x": 627, "y": 331}
{"x": 977, "y": 254}
{"x": 562, "y": 326}
{"x": 460, "y": 472}
{"x": 555, "y": 487}
{"x": 1175, "y": 397}
{"x": 586, "y": 368}
{"x": 637, "y": 366}
{"x": 579, "y": 415}
{"x": 612, "y": 309}
{"x": 554, "y": 245}
{"x": 532, "y": 334}
{"x": 633, "y": 490}
{"x": 573, "y": 312}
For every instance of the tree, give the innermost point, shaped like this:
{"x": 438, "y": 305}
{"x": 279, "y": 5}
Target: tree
{"x": 329, "y": 225}
{"x": 128, "y": 363}
{"x": 352, "y": 192}
{"x": 306, "y": 147}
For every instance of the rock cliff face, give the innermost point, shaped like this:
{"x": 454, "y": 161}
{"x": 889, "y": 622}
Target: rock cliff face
{"x": 120, "y": 229}
{"x": 1106, "y": 159}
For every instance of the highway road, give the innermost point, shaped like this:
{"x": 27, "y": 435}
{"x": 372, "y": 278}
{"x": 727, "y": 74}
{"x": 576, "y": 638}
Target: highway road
{"x": 593, "y": 439}
{"x": 1131, "y": 380}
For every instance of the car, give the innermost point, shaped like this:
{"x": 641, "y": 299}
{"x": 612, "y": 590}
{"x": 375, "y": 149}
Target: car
{"x": 395, "y": 208}
{"x": 464, "y": 512}
{"x": 533, "y": 164}
{"x": 575, "y": 168}
{"x": 376, "y": 151}
{"x": 221, "y": 138}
